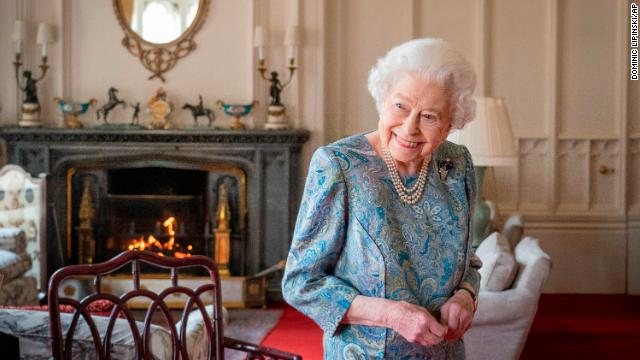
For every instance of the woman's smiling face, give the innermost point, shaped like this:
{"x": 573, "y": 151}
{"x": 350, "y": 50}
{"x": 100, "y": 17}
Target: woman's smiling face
{"x": 415, "y": 119}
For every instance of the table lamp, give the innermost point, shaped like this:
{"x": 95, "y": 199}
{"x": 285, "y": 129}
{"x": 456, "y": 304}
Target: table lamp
{"x": 491, "y": 143}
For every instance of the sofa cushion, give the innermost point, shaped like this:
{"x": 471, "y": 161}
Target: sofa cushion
{"x": 13, "y": 265}
{"x": 32, "y": 330}
{"x": 197, "y": 340}
{"x": 499, "y": 265}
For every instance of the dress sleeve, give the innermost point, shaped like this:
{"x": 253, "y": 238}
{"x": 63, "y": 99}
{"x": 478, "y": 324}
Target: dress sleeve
{"x": 472, "y": 277}
{"x": 309, "y": 283}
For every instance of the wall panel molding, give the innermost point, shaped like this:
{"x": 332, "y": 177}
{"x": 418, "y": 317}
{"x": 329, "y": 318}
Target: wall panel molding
{"x": 605, "y": 185}
{"x": 481, "y": 46}
{"x": 621, "y": 91}
{"x": 313, "y": 113}
{"x": 66, "y": 40}
{"x": 533, "y": 183}
{"x": 576, "y": 221}
{"x": 633, "y": 195}
{"x": 585, "y": 260}
{"x": 573, "y": 168}
{"x": 552, "y": 100}
{"x": 340, "y": 91}
{"x": 11, "y": 108}
{"x": 416, "y": 10}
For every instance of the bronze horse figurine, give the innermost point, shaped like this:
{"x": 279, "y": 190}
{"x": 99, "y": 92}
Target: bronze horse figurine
{"x": 113, "y": 102}
{"x": 200, "y": 110}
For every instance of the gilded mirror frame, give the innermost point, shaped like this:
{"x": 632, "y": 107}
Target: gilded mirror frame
{"x": 160, "y": 58}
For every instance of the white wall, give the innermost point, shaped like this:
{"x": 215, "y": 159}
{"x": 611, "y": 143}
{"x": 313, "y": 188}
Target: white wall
{"x": 561, "y": 65}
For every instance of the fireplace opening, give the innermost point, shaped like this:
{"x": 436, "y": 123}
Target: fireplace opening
{"x": 157, "y": 209}
{"x": 176, "y": 211}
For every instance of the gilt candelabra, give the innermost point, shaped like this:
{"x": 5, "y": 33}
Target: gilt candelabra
{"x": 276, "y": 110}
{"x": 30, "y": 108}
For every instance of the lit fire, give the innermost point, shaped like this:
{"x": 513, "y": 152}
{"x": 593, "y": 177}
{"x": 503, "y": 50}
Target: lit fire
{"x": 153, "y": 244}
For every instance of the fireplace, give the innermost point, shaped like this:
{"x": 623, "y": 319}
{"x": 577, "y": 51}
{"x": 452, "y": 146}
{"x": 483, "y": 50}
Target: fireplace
{"x": 131, "y": 181}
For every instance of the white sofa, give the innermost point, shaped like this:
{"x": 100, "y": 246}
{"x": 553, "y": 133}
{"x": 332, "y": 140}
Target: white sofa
{"x": 503, "y": 319}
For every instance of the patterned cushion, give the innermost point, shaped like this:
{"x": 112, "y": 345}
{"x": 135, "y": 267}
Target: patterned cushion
{"x": 19, "y": 292}
{"x": 499, "y": 266}
{"x": 13, "y": 239}
{"x": 98, "y": 308}
{"x": 13, "y": 265}
{"x": 32, "y": 329}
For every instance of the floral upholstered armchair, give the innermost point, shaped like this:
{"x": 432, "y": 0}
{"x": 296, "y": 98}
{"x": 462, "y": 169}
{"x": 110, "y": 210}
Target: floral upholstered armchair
{"x": 22, "y": 209}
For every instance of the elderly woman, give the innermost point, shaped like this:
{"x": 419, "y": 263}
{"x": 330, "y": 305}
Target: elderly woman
{"x": 381, "y": 256}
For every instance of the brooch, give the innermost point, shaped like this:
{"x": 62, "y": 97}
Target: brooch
{"x": 443, "y": 168}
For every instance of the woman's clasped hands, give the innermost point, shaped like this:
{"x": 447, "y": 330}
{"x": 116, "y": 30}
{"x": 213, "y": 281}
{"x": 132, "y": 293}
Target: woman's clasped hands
{"x": 417, "y": 325}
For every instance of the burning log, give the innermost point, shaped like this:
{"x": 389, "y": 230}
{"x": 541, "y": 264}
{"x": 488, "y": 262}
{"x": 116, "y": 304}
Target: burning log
{"x": 168, "y": 248}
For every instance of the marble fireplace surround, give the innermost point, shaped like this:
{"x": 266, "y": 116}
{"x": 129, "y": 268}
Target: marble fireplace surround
{"x": 270, "y": 160}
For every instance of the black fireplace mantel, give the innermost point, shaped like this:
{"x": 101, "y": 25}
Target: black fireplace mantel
{"x": 119, "y": 135}
{"x": 270, "y": 159}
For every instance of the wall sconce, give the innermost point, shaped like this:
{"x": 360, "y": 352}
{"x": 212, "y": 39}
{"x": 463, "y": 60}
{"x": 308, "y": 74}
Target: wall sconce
{"x": 30, "y": 110}
{"x": 276, "y": 110}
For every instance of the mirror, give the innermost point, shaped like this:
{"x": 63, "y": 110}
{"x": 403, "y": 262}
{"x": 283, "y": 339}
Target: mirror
{"x": 160, "y": 32}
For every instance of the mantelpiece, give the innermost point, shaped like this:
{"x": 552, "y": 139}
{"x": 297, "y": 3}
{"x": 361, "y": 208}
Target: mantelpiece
{"x": 268, "y": 159}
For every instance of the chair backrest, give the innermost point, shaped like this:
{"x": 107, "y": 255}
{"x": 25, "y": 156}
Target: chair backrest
{"x": 23, "y": 206}
{"x": 62, "y": 343}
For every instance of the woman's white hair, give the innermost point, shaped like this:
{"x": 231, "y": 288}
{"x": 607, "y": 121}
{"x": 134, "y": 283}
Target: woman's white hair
{"x": 435, "y": 60}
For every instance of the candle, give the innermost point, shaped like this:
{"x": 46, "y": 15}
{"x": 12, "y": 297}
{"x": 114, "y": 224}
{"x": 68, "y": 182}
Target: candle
{"x": 259, "y": 41}
{"x": 291, "y": 40}
{"x": 44, "y": 37}
{"x": 291, "y": 52}
{"x": 18, "y": 35}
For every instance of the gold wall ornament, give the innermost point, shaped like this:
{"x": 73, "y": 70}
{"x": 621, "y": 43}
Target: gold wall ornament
{"x": 223, "y": 232}
{"x": 86, "y": 214}
{"x": 157, "y": 56}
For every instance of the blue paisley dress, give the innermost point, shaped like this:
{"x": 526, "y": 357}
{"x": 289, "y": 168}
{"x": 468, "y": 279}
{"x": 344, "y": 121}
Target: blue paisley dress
{"x": 354, "y": 235}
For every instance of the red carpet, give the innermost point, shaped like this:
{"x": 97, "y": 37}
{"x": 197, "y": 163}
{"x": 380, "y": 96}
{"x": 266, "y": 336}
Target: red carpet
{"x": 565, "y": 327}
{"x": 296, "y": 333}
{"x": 585, "y": 327}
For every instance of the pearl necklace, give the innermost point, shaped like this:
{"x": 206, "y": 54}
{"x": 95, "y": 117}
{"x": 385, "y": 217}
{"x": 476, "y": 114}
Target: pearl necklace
{"x": 414, "y": 193}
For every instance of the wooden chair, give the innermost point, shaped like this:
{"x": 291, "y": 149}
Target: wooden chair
{"x": 62, "y": 344}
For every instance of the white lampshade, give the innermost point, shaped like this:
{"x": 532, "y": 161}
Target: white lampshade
{"x": 45, "y": 34}
{"x": 19, "y": 31}
{"x": 291, "y": 36}
{"x": 259, "y": 37}
{"x": 489, "y": 137}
